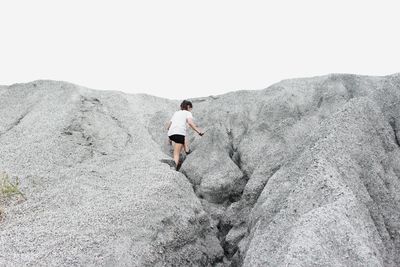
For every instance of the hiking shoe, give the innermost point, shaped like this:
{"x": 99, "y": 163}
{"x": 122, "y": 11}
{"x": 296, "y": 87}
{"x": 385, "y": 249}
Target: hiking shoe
{"x": 188, "y": 152}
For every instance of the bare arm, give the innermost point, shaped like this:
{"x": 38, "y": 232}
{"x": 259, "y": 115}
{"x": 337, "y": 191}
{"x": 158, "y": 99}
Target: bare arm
{"x": 169, "y": 125}
{"x": 193, "y": 126}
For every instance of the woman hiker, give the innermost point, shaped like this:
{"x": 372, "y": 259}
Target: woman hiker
{"x": 177, "y": 130}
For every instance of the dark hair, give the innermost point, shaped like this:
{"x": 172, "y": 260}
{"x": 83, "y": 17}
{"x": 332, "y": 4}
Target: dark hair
{"x": 185, "y": 105}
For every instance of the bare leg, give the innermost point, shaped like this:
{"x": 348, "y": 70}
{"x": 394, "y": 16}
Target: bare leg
{"x": 177, "y": 152}
{"x": 186, "y": 143}
{"x": 183, "y": 149}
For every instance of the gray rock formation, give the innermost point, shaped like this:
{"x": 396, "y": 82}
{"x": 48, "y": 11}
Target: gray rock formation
{"x": 303, "y": 173}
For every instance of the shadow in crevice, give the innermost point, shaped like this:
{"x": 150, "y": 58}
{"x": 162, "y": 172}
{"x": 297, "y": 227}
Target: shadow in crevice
{"x": 392, "y": 123}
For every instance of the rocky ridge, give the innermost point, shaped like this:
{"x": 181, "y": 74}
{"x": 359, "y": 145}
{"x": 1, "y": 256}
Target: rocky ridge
{"x": 305, "y": 172}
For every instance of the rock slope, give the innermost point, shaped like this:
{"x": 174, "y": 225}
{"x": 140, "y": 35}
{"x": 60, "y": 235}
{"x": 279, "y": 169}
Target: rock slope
{"x": 305, "y": 172}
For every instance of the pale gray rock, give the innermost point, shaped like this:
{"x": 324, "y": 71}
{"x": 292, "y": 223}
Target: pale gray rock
{"x": 96, "y": 190}
{"x": 340, "y": 197}
{"x": 303, "y": 173}
{"x": 204, "y": 168}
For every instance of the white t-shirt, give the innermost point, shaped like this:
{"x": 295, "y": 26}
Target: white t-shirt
{"x": 178, "y": 125}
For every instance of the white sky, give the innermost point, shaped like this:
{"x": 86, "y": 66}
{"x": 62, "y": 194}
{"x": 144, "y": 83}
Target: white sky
{"x": 182, "y": 48}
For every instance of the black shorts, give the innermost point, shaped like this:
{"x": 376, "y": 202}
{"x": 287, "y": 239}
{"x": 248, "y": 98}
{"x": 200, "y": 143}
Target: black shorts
{"x": 177, "y": 138}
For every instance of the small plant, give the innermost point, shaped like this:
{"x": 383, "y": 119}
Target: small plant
{"x": 9, "y": 189}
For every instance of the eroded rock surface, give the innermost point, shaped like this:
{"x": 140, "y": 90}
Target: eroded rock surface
{"x": 305, "y": 172}
{"x": 96, "y": 190}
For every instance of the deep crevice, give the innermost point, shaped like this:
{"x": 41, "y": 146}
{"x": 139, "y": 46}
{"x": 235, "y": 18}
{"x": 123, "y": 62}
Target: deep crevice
{"x": 223, "y": 226}
{"x": 223, "y": 230}
{"x": 235, "y": 155}
{"x": 392, "y": 123}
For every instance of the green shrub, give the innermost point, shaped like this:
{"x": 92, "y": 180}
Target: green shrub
{"x": 8, "y": 188}
{"x": 9, "y": 191}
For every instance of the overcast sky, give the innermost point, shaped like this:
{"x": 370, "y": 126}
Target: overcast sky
{"x": 181, "y": 48}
